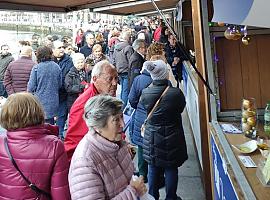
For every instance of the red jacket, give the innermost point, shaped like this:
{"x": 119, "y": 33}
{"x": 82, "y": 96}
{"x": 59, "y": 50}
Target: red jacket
{"x": 77, "y": 127}
{"x": 41, "y": 158}
{"x": 157, "y": 34}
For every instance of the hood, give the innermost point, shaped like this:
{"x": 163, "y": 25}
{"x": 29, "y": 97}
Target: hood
{"x": 121, "y": 45}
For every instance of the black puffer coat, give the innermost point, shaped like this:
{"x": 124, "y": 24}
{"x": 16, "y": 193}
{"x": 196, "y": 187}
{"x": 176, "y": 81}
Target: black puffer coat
{"x": 164, "y": 142}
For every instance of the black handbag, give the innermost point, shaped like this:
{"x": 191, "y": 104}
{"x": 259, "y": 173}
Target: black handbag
{"x": 31, "y": 185}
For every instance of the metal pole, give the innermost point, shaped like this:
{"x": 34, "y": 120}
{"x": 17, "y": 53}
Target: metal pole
{"x": 182, "y": 48}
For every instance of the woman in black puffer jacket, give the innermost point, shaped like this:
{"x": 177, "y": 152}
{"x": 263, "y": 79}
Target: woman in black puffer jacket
{"x": 164, "y": 145}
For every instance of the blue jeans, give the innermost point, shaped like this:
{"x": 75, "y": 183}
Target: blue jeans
{"x": 124, "y": 88}
{"x": 3, "y": 91}
{"x": 62, "y": 117}
{"x": 171, "y": 180}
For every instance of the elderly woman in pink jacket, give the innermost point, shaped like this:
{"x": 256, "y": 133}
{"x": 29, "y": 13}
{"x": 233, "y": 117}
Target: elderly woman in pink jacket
{"x": 31, "y": 153}
{"x": 101, "y": 167}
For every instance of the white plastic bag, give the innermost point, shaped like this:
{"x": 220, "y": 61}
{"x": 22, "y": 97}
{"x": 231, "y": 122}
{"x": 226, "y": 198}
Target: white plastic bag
{"x": 146, "y": 196}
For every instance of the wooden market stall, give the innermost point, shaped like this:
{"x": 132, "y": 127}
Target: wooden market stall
{"x": 234, "y": 71}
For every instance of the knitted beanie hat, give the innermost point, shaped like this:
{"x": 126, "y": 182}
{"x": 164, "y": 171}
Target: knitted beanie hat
{"x": 158, "y": 69}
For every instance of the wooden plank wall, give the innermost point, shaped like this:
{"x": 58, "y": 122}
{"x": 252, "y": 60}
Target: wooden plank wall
{"x": 243, "y": 71}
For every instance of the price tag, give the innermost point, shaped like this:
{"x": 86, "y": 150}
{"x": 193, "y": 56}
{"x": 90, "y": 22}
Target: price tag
{"x": 247, "y": 161}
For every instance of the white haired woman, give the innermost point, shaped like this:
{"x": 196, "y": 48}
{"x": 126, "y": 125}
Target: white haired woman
{"x": 101, "y": 167}
{"x": 76, "y": 80}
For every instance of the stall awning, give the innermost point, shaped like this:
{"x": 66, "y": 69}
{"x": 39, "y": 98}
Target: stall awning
{"x": 52, "y": 5}
{"x": 135, "y": 7}
{"x": 122, "y": 7}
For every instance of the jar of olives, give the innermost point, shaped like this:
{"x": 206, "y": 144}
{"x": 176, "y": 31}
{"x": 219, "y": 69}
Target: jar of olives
{"x": 249, "y": 117}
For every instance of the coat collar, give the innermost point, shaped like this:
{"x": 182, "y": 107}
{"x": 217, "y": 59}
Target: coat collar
{"x": 102, "y": 143}
{"x": 161, "y": 82}
{"x": 32, "y": 132}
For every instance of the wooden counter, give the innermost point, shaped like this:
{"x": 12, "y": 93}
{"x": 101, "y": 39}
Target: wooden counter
{"x": 240, "y": 174}
{"x": 261, "y": 192}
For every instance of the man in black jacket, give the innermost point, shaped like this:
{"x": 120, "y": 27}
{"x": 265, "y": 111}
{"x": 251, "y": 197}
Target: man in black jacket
{"x": 136, "y": 60}
{"x": 174, "y": 58}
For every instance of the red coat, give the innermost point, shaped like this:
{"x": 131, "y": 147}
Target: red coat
{"x": 157, "y": 34}
{"x": 41, "y": 158}
{"x": 77, "y": 127}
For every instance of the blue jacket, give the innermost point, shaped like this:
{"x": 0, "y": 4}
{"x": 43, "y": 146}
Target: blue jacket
{"x": 65, "y": 64}
{"x": 44, "y": 83}
{"x": 86, "y": 50}
{"x": 140, "y": 82}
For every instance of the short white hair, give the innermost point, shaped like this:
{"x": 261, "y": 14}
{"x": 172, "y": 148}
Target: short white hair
{"x": 26, "y": 51}
{"x": 99, "y": 67}
{"x": 77, "y": 56}
{"x": 125, "y": 35}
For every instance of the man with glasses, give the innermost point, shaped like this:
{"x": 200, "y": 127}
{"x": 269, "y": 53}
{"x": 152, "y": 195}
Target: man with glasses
{"x": 65, "y": 63}
{"x": 5, "y": 59}
{"x": 90, "y": 41}
{"x": 104, "y": 81}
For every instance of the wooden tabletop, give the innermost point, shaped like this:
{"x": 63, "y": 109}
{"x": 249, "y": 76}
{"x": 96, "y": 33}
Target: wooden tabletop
{"x": 261, "y": 192}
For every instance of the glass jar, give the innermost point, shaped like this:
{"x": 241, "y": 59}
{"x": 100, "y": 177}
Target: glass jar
{"x": 249, "y": 117}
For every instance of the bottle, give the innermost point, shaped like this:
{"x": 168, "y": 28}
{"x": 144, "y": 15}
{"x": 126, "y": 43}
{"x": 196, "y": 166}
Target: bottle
{"x": 267, "y": 118}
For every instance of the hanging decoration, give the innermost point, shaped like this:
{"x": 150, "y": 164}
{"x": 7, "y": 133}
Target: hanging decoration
{"x": 234, "y": 32}
{"x": 221, "y": 24}
{"x": 245, "y": 38}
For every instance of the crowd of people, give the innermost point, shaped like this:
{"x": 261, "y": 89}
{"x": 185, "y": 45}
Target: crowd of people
{"x": 65, "y": 124}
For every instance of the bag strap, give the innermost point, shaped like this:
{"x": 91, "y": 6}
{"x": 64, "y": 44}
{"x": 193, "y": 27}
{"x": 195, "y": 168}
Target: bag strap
{"x": 30, "y": 184}
{"x": 157, "y": 102}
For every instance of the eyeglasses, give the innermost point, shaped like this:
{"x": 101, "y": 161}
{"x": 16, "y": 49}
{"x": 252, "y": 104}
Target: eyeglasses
{"x": 109, "y": 79}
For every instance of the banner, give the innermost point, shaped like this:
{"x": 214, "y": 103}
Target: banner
{"x": 242, "y": 12}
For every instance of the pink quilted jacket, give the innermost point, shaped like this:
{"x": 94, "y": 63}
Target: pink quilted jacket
{"x": 101, "y": 169}
{"x": 42, "y": 159}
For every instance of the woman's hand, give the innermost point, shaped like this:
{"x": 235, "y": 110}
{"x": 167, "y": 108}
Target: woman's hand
{"x": 132, "y": 150}
{"x": 138, "y": 185}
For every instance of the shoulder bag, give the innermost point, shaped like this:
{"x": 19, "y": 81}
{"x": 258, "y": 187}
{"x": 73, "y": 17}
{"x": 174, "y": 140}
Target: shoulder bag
{"x": 31, "y": 185}
{"x": 151, "y": 112}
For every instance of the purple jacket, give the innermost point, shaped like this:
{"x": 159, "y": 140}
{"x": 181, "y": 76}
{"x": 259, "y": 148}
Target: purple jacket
{"x": 17, "y": 75}
{"x": 101, "y": 169}
{"x": 41, "y": 158}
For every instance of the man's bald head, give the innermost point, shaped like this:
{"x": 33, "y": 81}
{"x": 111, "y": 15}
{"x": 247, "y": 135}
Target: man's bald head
{"x": 26, "y": 51}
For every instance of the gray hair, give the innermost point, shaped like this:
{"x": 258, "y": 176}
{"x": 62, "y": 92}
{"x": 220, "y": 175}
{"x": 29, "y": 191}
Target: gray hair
{"x": 99, "y": 108}
{"x": 100, "y": 66}
{"x": 137, "y": 44}
{"x": 125, "y": 35}
{"x": 77, "y": 56}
